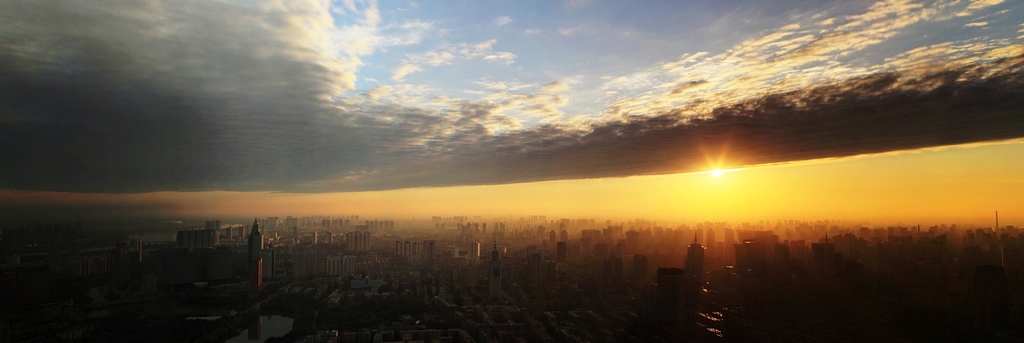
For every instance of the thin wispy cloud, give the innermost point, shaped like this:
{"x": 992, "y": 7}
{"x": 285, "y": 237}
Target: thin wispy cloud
{"x": 502, "y": 20}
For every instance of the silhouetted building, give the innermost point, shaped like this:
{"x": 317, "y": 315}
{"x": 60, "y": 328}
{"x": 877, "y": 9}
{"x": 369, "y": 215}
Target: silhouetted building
{"x": 255, "y": 260}
{"x": 694, "y": 273}
{"x": 474, "y": 252}
{"x": 24, "y": 285}
{"x": 357, "y": 241}
{"x": 197, "y": 238}
{"x": 255, "y": 277}
{"x": 429, "y": 251}
{"x": 535, "y": 267}
{"x": 640, "y": 269}
{"x": 560, "y": 252}
{"x": 255, "y": 241}
{"x": 823, "y": 259}
{"x": 613, "y": 272}
{"x": 669, "y": 295}
{"x": 214, "y": 226}
{"x": 269, "y": 257}
{"x": 990, "y": 296}
{"x": 495, "y": 275}
{"x": 695, "y": 259}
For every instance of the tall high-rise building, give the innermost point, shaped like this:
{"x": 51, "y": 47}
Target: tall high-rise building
{"x": 214, "y": 227}
{"x": 551, "y": 238}
{"x": 669, "y": 295}
{"x": 334, "y": 264}
{"x": 197, "y": 238}
{"x": 429, "y": 251}
{"x": 135, "y": 249}
{"x": 255, "y": 259}
{"x": 560, "y": 252}
{"x": 535, "y": 267}
{"x": 613, "y": 272}
{"x": 640, "y": 269}
{"x": 474, "y": 252}
{"x": 495, "y": 275}
{"x": 565, "y": 236}
{"x": 729, "y": 242}
{"x": 694, "y": 273}
{"x": 357, "y": 241}
{"x": 695, "y": 259}
{"x": 823, "y": 258}
{"x": 255, "y": 277}
{"x": 269, "y": 256}
{"x": 349, "y": 265}
{"x": 255, "y": 241}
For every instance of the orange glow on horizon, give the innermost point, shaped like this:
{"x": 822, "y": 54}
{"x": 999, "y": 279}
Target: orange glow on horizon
{"x": 952, "y": 184}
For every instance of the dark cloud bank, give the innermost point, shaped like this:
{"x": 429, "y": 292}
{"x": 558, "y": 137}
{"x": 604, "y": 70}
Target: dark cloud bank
{"x": 878, "y": 113}
{"x": 108, "y": 110}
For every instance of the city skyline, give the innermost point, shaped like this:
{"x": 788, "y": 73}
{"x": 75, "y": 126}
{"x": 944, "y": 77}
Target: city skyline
{"x": 345, "y": 171}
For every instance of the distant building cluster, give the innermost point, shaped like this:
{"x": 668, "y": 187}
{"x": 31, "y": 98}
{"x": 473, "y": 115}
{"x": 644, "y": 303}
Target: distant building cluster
{"x": 530, "y": 279}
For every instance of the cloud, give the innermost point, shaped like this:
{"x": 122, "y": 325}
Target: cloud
{"x": 875, "y": 113}
{"x": 976, "y": 24}
{"x": 977, "y": 5}
{"x": 448, "y": 54}
{"x": 136, "y": 96}
{"x": 502, "y": 20}
{"x": 555, "y": 86}
{"x": 402, "y": 70}
{"x": 124, "y": 96}
{"x": 569, "y": 31}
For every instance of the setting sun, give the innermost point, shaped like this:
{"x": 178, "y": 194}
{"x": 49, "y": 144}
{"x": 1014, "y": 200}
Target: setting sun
{"x": 717, "y": 173}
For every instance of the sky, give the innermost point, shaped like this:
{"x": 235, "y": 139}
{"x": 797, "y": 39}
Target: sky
{"x": 898, "y": 109}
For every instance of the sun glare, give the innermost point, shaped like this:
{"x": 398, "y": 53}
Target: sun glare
{"x": 717, "y": 173}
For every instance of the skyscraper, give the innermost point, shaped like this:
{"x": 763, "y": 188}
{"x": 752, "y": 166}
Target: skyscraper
{"x": 255, "y": 260}
{"x": 613, "y": 272}
{"x": 214, "y": 227}
{"x": 694, "y": 272}
{"x": 474, "y": 252}
{"x": 495, "y": 276}
{"x": 695, "y": 259}
{"x": 429, "y": 251}
{"x": 269, "y": 256}
{"x": 255, "y": 241}
{"x": 255, "y": 277}
{"x": 535, "y": 266}
{"x": 669, "y": 295}
{"x": 823, "y": 258}
{"x": 640, "y": 269}
{"x": 560, "y": 252}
